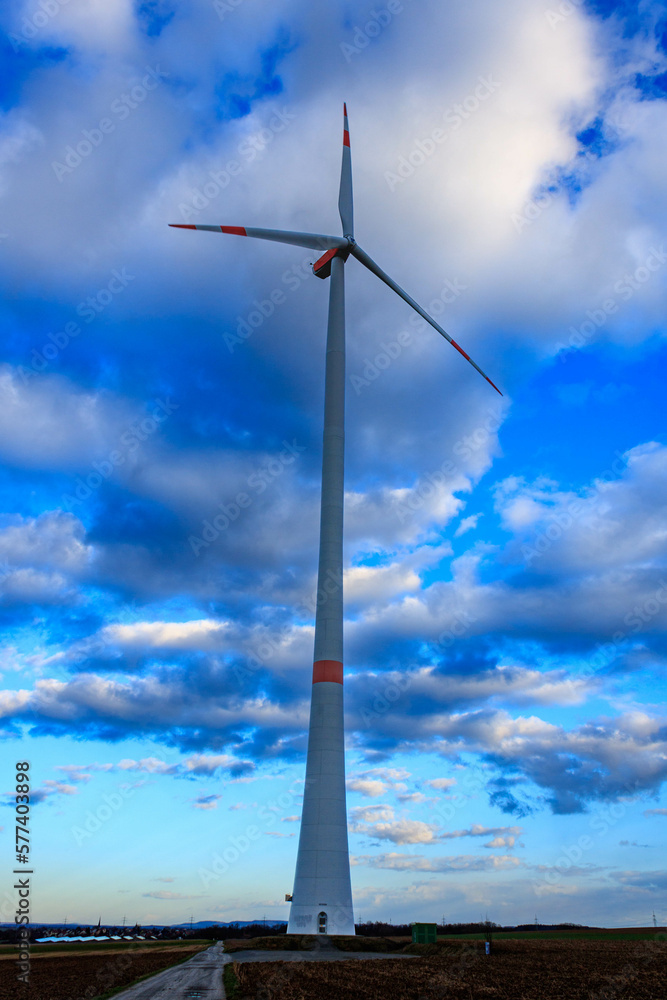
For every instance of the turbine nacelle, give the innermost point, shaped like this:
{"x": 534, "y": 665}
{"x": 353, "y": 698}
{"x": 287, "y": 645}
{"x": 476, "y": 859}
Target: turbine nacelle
{"x": 339, "y": 246}
{"x": 322, "y": 267}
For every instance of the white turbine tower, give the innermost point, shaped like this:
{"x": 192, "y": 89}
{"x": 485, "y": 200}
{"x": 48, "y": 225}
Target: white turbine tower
{"x": 322, "y": 895}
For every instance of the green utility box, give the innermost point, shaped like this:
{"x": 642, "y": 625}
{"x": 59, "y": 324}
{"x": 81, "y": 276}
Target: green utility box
{"x": 424, "y": 933}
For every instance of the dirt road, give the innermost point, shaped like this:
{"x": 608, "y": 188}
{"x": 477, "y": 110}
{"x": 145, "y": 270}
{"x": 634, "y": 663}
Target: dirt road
{"x": 200, "y": 976}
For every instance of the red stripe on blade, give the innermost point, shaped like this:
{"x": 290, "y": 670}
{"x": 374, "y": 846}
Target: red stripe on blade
{"x": 234, "y": 230}
{"x": 178, "y": 225}
{"x": 460, "y": 350}
{"x": 345, "y": 109}
{"x": 346, "y": 138}
{"x": 327, "y": 670}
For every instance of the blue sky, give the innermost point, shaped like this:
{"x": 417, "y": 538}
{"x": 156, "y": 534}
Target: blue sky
{"x": 506, "y": 583}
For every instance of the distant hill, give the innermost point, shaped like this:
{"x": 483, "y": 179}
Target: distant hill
{"x": 231, "y": 923}
{"x": 71, "y": 924}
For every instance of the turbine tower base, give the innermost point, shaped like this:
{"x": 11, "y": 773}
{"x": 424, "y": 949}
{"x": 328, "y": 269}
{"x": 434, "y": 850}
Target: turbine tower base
{"x": 321, "y": 919}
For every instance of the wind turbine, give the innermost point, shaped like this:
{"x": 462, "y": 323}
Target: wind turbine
{"x": 322, "y": 895}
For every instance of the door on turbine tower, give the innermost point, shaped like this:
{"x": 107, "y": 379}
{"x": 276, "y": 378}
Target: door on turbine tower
{"x": 322, "y": 923}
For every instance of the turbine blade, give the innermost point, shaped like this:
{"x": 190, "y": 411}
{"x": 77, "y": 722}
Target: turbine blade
{"x": 345, "y": 206}
{"x": 364, "y": 259}
{"x": 312, "y": 241}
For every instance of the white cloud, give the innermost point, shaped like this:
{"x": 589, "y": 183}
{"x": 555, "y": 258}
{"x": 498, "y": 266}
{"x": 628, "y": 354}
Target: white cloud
{"x": 47, "y": 423}
{"x": 505, "y": 685}
{"x": 379, "y": 584}
{"x": 501, "y": 842}
{"x": 192, "y": 635}
{"x": 401, "y": 831}
{"x": 49, "y": 789}
{"x": 163, "y": 894}
{"x": 149, "y": 765}
{"x": 402, "y": 515}
{"x": 372, "y": 789}
{"x": 18, "y": 139}
{"x": 503, "y": 836}
{"x": 371, "y": 814}
{"x": 451, "y": 863}
{"x": 583, "y": 543}
{"x": 467, "y": 524}
{"x": 379, "y": 822}
{"x": 210, "y": 763}
{"x": 378, "y": 780}
{"x": 51, "y": 424}
{"x": 625, "y": 755}
{"x": 75, "y": 772}
{"x": 616, "y": 521}
{"x": 148, "y": 704}
{"x": 95, "y": 27}
{"x": 43, "y": 558}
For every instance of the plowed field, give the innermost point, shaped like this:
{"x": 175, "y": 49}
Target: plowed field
{"x": 82, "y": 977}
{"x": 517, "y": 970}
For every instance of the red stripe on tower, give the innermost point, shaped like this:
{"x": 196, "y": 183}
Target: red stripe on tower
{"x": 327, "y": 670}
{"x": 234, "y": 230}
